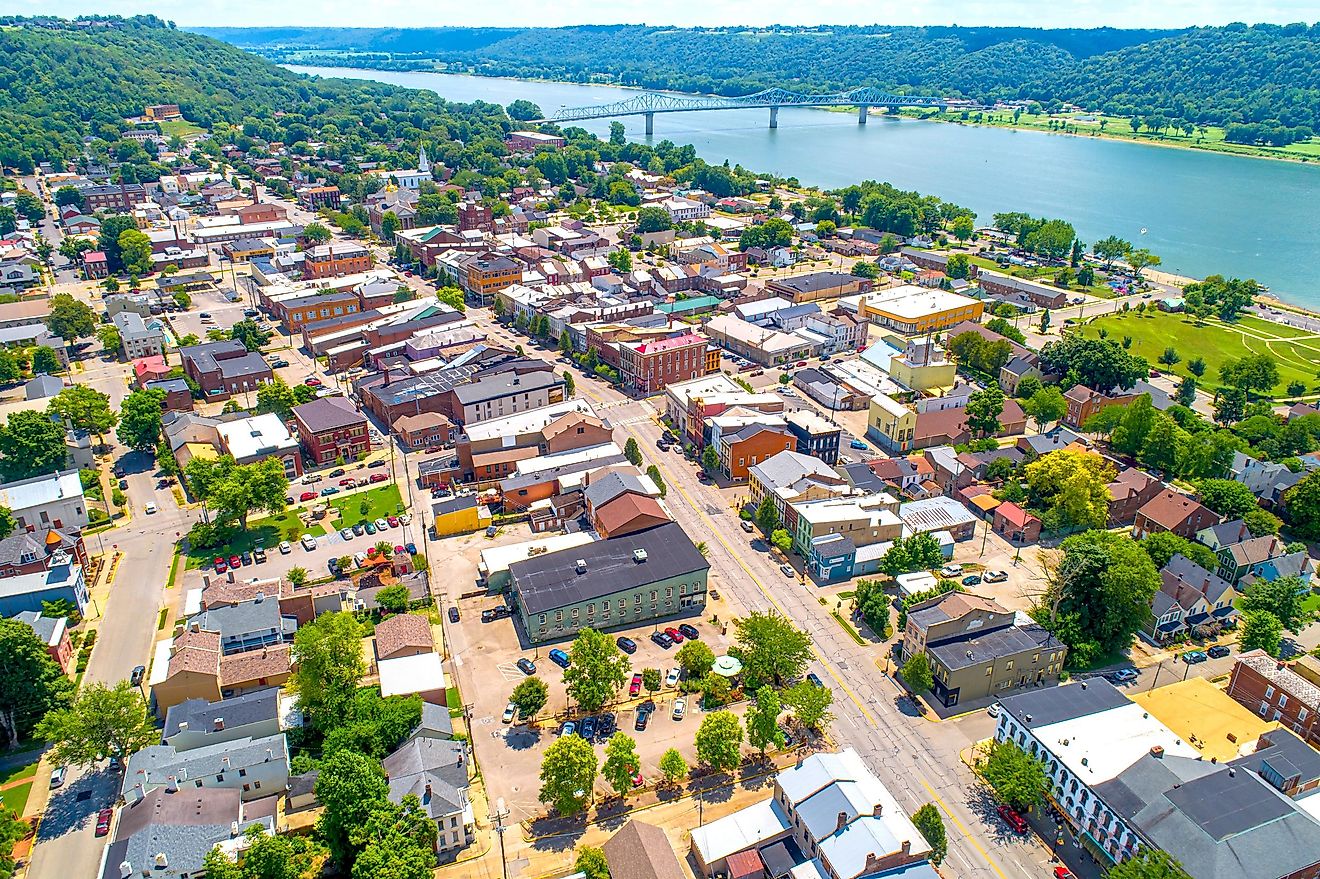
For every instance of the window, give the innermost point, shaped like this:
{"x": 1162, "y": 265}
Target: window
{"x": 1269, "y": 693}
{"x": 989, "y": 670}
{"x": 1283, "y": 700}
{"x": 1009, "y": 667}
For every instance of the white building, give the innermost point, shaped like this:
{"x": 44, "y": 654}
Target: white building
{"x": 683, "y": 209}
{"x": 51, "y": 501}
{"x": 256, "y": 767}
{"x": 138, "y": 339}
{"x": 260, "y": 437}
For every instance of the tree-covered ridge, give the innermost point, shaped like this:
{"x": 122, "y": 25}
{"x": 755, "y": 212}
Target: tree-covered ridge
{"x": 1218, "y": 75}
{"x": 59, "y": 83}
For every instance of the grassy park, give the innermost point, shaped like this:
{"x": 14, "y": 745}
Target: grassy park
{"x": 1296, "y": 351}
{"x": 268, "y": 532}
{"x": 379, "y": 502}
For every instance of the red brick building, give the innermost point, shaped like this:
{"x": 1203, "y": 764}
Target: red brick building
{"x": 222, "y": 369}
{"x": 331, "y": 427}
{"x": 95, "y": 265}
{"x": 1015, "y": 523}
{"x": 336, "y": 260}
{"x": 1084, "y": 402}
{"x": 650, "y": 367}
{"x": 425, "y": 430}
{"x": 475, "y": 215}
{"x": 1275, "y": 692}
{"x": 28, "y": 552}
{"x": 1171, "y": 511}
{"x": 316, "y": 197}
{"x": 752, "y": 445}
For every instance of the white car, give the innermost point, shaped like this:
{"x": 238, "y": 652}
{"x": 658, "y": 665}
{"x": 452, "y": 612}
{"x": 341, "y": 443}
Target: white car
{"x": 405, "y": 519}
{"x": 150, "y": 507}
{"x": 359, "y": 558}
{"x": 995, "y": 576}
{"x": 993, "y": 710}
{"x": 381, "y": 524}
{"x": 285, "y": 548}
{"x": 671, "y": 680}
{"x": 308, "y": 542}
{"x": 951, "y": 570}
{"x": 680, "y": 708}
{"x": 510, "y": 712}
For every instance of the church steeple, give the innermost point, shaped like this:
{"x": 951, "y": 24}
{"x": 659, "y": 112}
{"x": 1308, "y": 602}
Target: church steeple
{"x": 423, "y": 164}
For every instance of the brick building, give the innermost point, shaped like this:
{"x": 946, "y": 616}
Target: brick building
{"x": 1270, "y": 688}
{"x": 489, "y": 273}
{"x": 316, "y": 197}
{"x": 335, "y": 260}
{"x": 222, "y": 369}
{"x": 650, "y": 367}
{"x": 1171, "y": 511}
{"x": 331, "y": 428}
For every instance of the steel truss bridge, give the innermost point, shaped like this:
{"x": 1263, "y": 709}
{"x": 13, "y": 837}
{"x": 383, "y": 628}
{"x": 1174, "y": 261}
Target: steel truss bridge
{"x": 649, "y": 104}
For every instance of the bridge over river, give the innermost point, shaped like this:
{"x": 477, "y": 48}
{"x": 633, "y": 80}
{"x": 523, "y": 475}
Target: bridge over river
{"x": 648, "y": 104}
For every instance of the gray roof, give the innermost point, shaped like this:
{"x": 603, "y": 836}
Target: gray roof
{"x": 153, "y": 765}
{"x": 436, "y": 722}
{"x": 522, "y": 480}
{"x": 549, "y": 581}
{"x": 606, "y": 489}
{"x": 201, "y": 715}
{"x": 43, "y": 626}
{"x": 958, "y": 653}
{"x": 1217, "y": 822}
{"x": 328, "y": 413}
{"x": 1284, "y": 753}
{"x": 236, "y": 620}
{"x": 815, "y": 281}
{"x": 183, "y": 825}
{"x": 787, "y": 467}
{"x": 231, "y": 358}
{"x": 26, "y": 547}
{"x": 42, "y": 386}
{"x": 453, "y": 504}
{"x": 422, "y": 761}
{"x": 503, "y": 384}
{"x": 1055, "y": 704}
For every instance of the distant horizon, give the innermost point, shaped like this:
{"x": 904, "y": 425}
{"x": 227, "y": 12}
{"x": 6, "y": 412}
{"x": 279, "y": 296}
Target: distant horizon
{"x": 1085, "y": 14}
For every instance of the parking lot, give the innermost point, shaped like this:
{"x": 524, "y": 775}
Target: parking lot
{"x": 484, "y": 657}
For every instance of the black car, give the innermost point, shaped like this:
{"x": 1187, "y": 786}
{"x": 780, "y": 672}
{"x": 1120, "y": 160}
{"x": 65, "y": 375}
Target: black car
{"x": 453, "y": 614}
{"x": 608, "y": 725}
{"x": 662, "y": 639}
{"x": 246, "y": 557}
{"x": 1219, "y": 651}
{"x": 588, "y": 728}
{"x": 526, "y": 666}
{"x": 135, "y": 677}
{"x": 333, "y": 565}
{"x": 690, "y": 632}
{"x": 338, "y": 471}
{"x": 814, "y": 678}
{"x": 643, "y": 718}
{"x": 411, "y": 548}
{"x": 359, "y": 530}
{"x": 627, "y": 645}
{"x": 380, "y": 462}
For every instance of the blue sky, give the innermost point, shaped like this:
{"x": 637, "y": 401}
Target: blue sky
{"x": 415, "y": 13}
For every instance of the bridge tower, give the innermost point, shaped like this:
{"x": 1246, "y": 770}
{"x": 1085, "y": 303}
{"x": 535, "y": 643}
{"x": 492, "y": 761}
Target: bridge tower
{"x": 650, "y": 124}
{"x": 774, "y": 117}
{"x": 862, "y": 112}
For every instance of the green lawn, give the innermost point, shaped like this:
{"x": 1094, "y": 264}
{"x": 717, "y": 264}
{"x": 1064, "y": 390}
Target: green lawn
{"x": 268, "y": 532}
{"x": 382, "y": 501}
{"x": 15, "y": 798}
{"x": 181, "y": 127}
{"x": 1296, "y": 352}
{"x": 14, "y": 773}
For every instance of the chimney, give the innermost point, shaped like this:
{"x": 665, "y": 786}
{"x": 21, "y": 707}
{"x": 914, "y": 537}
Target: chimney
{"x": 1157, "y": 751}
{"x": 842, "y": 821}
{"x": 1242, "y": 532}
{"x": 233, "y": 829}
{"x": 172, "y": 784}
{"x": 217, "y": 725}
{"x": 183, "y": 726}
{"x": 270, "y": 754}
{"x": 872, "y": 863}
{"x": 879, "y": 808}
{"x": 426, "y": 798}
{"x": 581, "y": 566}
{"x": 1232, "y": 773}
{"x": 161, "y": 861}
{"x": 260, "y": 597}
{"x": 907, "y": 846}
{"x": 195, "y": 627}
{"x": 225, "y": 760}
{"x": 125, "y": 869}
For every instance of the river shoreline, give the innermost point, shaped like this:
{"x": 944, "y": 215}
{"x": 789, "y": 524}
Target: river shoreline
{"x": 1094, "y": 135}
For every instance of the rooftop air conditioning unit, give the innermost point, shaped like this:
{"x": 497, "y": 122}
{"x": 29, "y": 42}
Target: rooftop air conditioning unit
{"x": 639, "y": 555}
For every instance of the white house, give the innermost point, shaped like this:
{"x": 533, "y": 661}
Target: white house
{"x": 51, "y": 501}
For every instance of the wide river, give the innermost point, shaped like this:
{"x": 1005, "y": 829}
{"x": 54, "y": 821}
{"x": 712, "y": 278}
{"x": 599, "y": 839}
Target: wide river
{"x": 1203, "y": 213}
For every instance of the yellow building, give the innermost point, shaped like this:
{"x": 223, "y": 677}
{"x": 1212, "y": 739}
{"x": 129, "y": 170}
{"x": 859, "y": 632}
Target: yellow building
{"x": 460, "y": 515}
{"x": 911, "y": 310}
{"x": 1206, "y": 718}
{"x": 923, "y": 367}
{"x": 891, "y": 424}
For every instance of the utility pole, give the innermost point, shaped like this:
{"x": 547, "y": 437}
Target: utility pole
{"x": 500, "y": 814}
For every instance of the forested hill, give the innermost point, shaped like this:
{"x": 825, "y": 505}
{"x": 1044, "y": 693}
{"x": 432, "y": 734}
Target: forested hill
{"x": 60, "y": 83}
{"x": 1236, "y": 73}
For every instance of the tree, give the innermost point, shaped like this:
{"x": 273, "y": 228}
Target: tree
{"x": 780, "y": 540}
{"x": 719, "y": 741}
{"x": 1261, "y": 522}
{"x": 632, "y": 452}
{"x": 591, "y": 863}
{"x": 252, "y": 336}
{"x": 873, "y": 604}
{"x": 83, "y": 408}
{"x": 32, "y": 683}
{"x": 1099, "y": 595}
{"x": 653, "y": 473}
{"x": 916, "y": 673}
{"x": 1282, "y": 598}
{"x": 67, "y": 195}
{"x": 810, "y": 704}
{"x": 597, "y": 669}
{"x": 101, "y": 722}
{"x": 453, "y": 297}
{"x": 1251, "y": 373}
{"x": 1230, "y": 405}
{"x": 108, "y": 239}
{"x": 651, "y": 679}
{"x": 350, "y": 786}
{"x": 389, "y": 224}
{"x": 673, "y": 766}
{"x": 762, "y": 720}
{"x": 1164, "y": 545}
{"x": 1186, "y": 392}
{"x": 140, "y": 419}
{"x": 920, "y": 552}
{"x": 1196, "y": 366}
{"x": 1261, "y": 630}
{"x": 963, "y": 227}
{"x": 767, "y": 517}
{"x": 710, "y": 461}
{"x": 570, "y": 386}
{"x": 1140, "y": 259}
{"x": 530, "y": 697}
{"x": 393, "y": 599}
{"x": 31, "y": 445}
{"x": 770, "y": 648}
{"x": 864, "y": 269}
{"x": 135, "y": 252}
{"x": 1045, "y": 406}
{"x": 927, "y": 819}
{"x": 958, "y": 265}
{"x": 653, "y": 219}
{"x": 568, "y": 774}
{"x": 297, "y": 576}
{"x": 1110, "y": 249}
{"x": 8, "y": 524}
{"x": 44, "y": 360}
{"x": 983, "y": 410}
{"x": 247, "y": 488}
{"x": 1071, "y": 487}
{"x": 1100, "y": 364}
{"x": 1052, "y": 239}
{"x": 9, "y": 368}
{"x": 328, "y": 664}
{"x": 109, "y": 338}
{"x": 1148, "y": 864}
{"x": 277, "y": 397}
{"x": 695, "y": 658}
{"x": 70, "y": 319}
{"x": 1227, "y": 497}
{"x": 1016, "y": 777}
{"x": 316, "y": 233}
{"x": 621, "y": 762}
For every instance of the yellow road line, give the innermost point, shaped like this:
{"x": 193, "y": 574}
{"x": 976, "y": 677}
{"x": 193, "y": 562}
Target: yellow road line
{"x": 939, "y": 801}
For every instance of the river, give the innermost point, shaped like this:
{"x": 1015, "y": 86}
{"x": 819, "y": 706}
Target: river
{"x": 1203, "y": 213}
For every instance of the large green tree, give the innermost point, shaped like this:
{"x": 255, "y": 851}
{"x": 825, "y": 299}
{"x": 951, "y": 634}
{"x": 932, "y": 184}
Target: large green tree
{"x": 101, "y": 722}
{"x": 931, "y": 824}
{"x": 530, "y": 697}
{"x": 248, "y": 488}
{"x": 1016, "y": 777}
{"x": 31, "y": 683}
{"x": 983, "y": 410}
{"x": 1148, "y": 864}
{"x": 31, "y": 444}
{"x": 621, "y": 762}
{"x": 328, "y": 664}
{"x": 568, "y": 774}
{"x": 596, "y": 671}
{"x": 810, "y": 704}
{"x": 140, "y": 419}
{"x": 70, "y": 319}
{"x": 84, "y": 408}
{"x": 1301, "y": 505}
{"x": 719, "y": 741}
{"x": 771, "y": 648}
{"x": 350, "y": 786}
{"x": 135, "y": 252}
{"x": 762, "y": 721}
{"x": 1283, "y": 597}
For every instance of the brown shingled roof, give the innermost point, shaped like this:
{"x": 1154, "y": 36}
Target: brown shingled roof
{"x": 401, "y": 632}
{"x": 195, "y": 651}
{"x": 1170, "y": 509}
{"x": 642, "y": 851}
{"x": 625, "y": 511}
{"x": 245, "y": 668}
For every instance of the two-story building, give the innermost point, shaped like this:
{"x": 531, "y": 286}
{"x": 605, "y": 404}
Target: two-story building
{"x": 54, "y": 500}
{"x": 336, "y": 259}
{"x": 814, "y": 435}
{"x": 223, "y": 369}
{"x": 1174, "y": 512}
{"x": 332, "y": 429}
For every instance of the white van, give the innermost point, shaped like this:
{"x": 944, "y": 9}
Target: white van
{"x": 57, "y": 777}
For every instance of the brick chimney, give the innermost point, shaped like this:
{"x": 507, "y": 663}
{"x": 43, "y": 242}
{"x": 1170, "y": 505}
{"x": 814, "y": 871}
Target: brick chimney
{"x": 842, "y": 821}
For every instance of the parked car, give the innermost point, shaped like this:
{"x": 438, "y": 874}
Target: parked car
{"x": 379, "y": 462}
{"x": 348, "y": 482}
{"x": 393, "y": 520}
{"x": 246, "y": 557}
{"x": 279, "y": 364}
{"x": 235, "y": 562}
{"x": 135, "y": 677}
{"x": 1123, "y": 676}
{"x": 285, "y": 548}
{"x": 150, "y": 508}
{"x": 405, "y": 519}
{"x": 346, "y": 533}
{"x": 57, "y": 776}
{"x": 1011, "y": 817}
{"x": 410, "y": 548}
{"x": 359, "y": 558}
{"x": 671, "y": 679}
{"x": 643, "y": 716}
{"x": 307, "y": 496}
{"x": 378, "y": 477}
{"x": 259, "y": 553}
{"x": 308, "y": 542}
{"x": 588, "y": 728}
{"x": 1219, "y": 651}
{"x": 787, "y": 570}
{"x": 369, "y": 527}
{"x": 312, "y": 382}
{"x": 747, "y": 526}
{"x": 220, "y": 565}
{"x": 568, "y": 728}
{"x": 103, "y": 819}
{"x": 338, "y": 471}
{"x": 674, "y": 635}
{"x": 993, "y": 709}
{"x": 358, "y": 529}
{"x": 312, "y": 478}
{"x": 1192, "y": 657}
{"x": 510, "y": 711}
{"x": 995, "y": 576}
{"x": 972, "y": 580}
{"x": 627, "y": 645}
{"x": 814, "y": 678}
{"x": 608, "y": 725}
{"x": 680, "y": 708}
{"x": 690, "y": 632}
{"x": 1062, "y": 872}
{"x": 453, "y": 614}
{"x": 559, "y": 658}
{"x": 858, "y": 444}
{"x": 526, "y": 666}
{"x": 329, "y": 490}
{"x": 662, "y": 639}
{"x": 951, "y": 570}
{"x": 381, "y": 524}
{"x": 635, "y": 687}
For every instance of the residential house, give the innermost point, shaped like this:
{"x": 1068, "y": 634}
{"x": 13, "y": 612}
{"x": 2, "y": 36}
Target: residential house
{"x": 1236, "y": 560}
{"x": 40, "y": 549}
{"x": 1083, "y": 402}
{"x": 169, "y": 831}
{"x": 642, "y": 851}
{"x": 1189, "y": 597}
{"x": 1175, "y": 512}
{"x": 977, "y": 649}
{"x": 426, "y": 430}
{"x": 248, "y": 440}
{"x": 247, "y": 625}
{"x": 54, "y": 500}
{"x": 223, "y": 369}
{"x": 789, "y": 478}
{"x": 1131, "y": 489}
{"x": 1276, "y": 692}
{"x": 435, "y": 771}
{"x": 404, "y": 634}
{"x": 750, "y": 445}
{"x": 628, "y": 513}
{"x": 332, "y": 429}
{"x": 814, "y": 436}
{"x": 865, "y": 520}
{"x": 197, "y": 723}
{"x": 255, "y": 767}
{"x": 53, "y": 633}
{"x": 1014, "y": 523}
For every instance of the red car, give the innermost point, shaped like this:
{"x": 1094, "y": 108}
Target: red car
{"x": 636, "y": 686}
{"x": 235, "y": 562}
{"x": 393, "y": 520}
{"x": 378, "y": 477}
{"x": 675, "y": 634}
{"x": 312, "y": 382}
{"x": 348, "y": 482}
{"x": 103, "y": 821}
{"x": 1062, "y": 872}
{"x": 307, "y": 496}
{"x": 220, "y": 565}
{"x": 1012, "y": 819}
